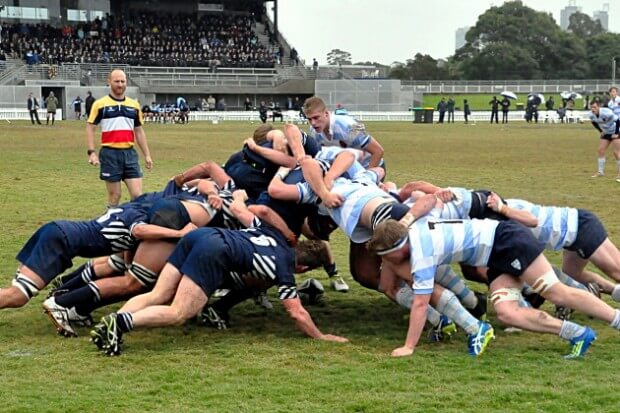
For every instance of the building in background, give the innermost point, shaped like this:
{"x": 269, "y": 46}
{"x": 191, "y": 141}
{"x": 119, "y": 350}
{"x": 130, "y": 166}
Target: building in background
{"x": 603, "y": 16}
{"x": 567, "y": 12}
{"x": 459, "y": 37}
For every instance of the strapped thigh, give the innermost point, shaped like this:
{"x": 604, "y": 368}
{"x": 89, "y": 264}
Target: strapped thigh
{"x": 143, "y": 275}
{"x": 25, "y": 285}
{"x": 545, "y": 282}
{"x": 506, "y": 294}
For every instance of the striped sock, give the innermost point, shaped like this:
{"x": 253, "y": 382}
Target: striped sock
{"x": 568, "y": 280}
{"x": 451, "y": 307}
{"x": 570, "y": 330}
{"x": 615, "y": 323}
{"x": 125, "y": 322}
{"x": 447, "y": 278}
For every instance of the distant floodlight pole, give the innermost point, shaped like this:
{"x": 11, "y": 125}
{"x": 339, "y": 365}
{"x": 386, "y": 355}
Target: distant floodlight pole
{"x": 613, "y": 71}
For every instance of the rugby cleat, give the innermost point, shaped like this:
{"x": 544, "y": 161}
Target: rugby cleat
{"x": 338, "y": 284}
{"x": 597, "y": 175}
{"x": 443, "y": 330}
{"x": 478, "y": 342}
{"x": 61, "y": 317}
{"x": 211, "y": 317}
{"x": 581, "y": 343}
{"x": 563, "y": 313}
{"x": 107, "y": 336}
{"x": 262, "y": 300}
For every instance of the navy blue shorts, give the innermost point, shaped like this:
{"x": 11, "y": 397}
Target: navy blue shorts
{"x": 118, "y": 164}
{"x": 514, "y": 249}
{"x": 590, "y": 234}
{"x": 169, "y": 213}
{"x": 203, "y": 257}
{"x": 253, "y": 180}
{"x": 479, "y": 208}
{"x": 52, "y": 247}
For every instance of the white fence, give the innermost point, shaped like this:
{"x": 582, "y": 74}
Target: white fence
{"x": 576, "y": 116}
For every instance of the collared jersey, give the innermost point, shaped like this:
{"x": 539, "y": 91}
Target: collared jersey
{"x": 118, "y": 119}
{"x": 557, "y": 226}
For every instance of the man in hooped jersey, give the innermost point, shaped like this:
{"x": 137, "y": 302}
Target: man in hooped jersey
{"x": 121, "y": 122}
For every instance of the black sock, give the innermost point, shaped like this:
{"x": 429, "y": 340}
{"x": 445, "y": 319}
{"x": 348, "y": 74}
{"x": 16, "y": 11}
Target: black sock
{"x": 83, "y": 271}
{"x": 331, "y": 269}
{"x": 231, "y": 299}
{"x": 124, "y": 322}
{"x": 80, "y": 298}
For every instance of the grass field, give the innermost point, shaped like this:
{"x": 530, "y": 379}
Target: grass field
{"x": 481, "y": 101}
{"x": 263, "y": 364}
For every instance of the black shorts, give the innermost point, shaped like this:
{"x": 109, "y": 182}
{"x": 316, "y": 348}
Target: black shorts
{"x": 608, "y": 137}
{"x": 169, "y": 213}
{"x": 590, "y": 234}
{"x": 479, "y": 208}
{"x": 514, "y": 249}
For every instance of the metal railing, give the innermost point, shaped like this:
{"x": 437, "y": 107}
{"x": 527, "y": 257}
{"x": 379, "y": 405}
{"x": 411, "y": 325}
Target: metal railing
{"x": 517, "y": 86}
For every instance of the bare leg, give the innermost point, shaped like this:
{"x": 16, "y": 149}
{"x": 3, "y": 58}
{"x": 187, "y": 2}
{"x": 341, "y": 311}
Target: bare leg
{"x": 162, "y": 293}
{"x": 134, "y": 186}
{"x": 114, "y": 192}
{"x": 13, "y": 297}
{"x": 188, "y": 301}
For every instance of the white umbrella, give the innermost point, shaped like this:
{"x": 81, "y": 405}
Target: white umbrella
{"x": 575, "y": 95}
{"x": 571, "y": 95}
{"x": 509, "y": 94}
{"x": 533, "y": 96}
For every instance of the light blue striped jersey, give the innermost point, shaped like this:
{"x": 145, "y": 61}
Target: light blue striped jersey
{"x": 356, "y": 193}
{"x": 557, "y": 226}
{"x": 436, "y": 242}
{"x": 459, "y": 208}
{"x": 614, "y": 105}
{"x": 329, "y": 154}
{"x": 346, "y": 132}
{"x": 606, "y": 120}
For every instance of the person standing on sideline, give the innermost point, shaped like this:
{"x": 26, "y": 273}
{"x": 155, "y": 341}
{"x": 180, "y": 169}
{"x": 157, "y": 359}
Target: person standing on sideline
{"x": 494, "y": 109}
{"x": 442, "y": 106}
{"x": 608, "y": 124}
{"x": 121, "y": 122}
{"x": 88, "y": 103}
{"x": 466, "y": 110}
{"x": 33, "y": 108}
{"x": 51, "y": 103}
{"x": 77, "y": 107}
{"x": 505, "y": 108}
{"x": 450, "y": 107}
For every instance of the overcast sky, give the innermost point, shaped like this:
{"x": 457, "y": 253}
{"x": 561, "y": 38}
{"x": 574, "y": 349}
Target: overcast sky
{"x": 395, "y": 30}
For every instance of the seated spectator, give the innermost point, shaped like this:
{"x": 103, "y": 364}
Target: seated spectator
{"x": 276, "y": 112}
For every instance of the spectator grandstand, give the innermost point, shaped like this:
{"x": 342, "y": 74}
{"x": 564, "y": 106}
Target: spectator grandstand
{"x": 146, "y": 38}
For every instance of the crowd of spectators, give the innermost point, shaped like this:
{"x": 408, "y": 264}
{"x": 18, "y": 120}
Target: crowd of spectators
{"x": 145, "y": 39}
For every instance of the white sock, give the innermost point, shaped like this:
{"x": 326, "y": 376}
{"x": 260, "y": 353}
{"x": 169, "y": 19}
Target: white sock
{"x": 601, "y": 165}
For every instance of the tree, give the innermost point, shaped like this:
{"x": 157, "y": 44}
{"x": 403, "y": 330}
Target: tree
{"x": 338, "y": 57}
{"x": 583, "y": 26}
{"x": 421, "y": 67}
{"x": 511, "y": 41}
{"x": 601, "y": 50}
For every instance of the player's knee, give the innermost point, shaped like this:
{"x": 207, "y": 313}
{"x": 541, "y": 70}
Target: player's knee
{"x": 179, "y": 315}
{"x": 22, "y": 289}
{"x": 142, "y": 276}
{"x": 505, "y": 301}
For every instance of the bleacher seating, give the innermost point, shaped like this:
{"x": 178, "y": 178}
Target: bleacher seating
{"x": 144, "y": 39}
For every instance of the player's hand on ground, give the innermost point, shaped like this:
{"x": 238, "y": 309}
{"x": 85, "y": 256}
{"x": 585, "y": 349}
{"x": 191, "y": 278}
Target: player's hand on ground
{"x": 332, "y": 337}
{"x": 148, "y": 162}
{"x": 332, "y": 200}
{"x": 93, "y": 159}
{"x": 402, "y": 352}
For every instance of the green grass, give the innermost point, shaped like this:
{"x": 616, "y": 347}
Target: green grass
{"x": 481, "y": 101}
{"x": 263, "y": 364}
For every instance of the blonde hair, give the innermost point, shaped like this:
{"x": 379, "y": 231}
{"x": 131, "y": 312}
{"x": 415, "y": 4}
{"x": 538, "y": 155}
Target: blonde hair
{"x": 314, "y": 104}
{"x": 260, "y": 133}
{"x": 312, "y": 253}
{"x": 386, "y": 235}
